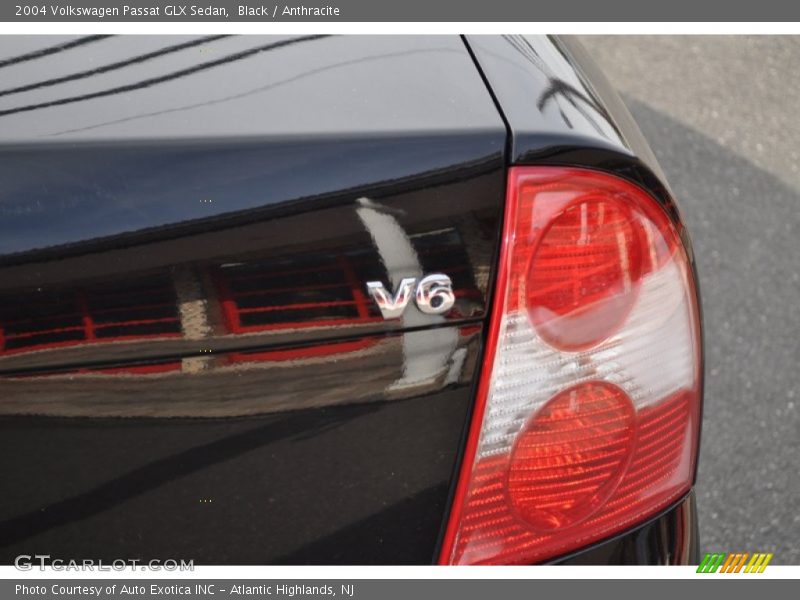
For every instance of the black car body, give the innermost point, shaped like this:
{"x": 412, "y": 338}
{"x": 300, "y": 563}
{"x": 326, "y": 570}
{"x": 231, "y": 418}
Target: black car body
{"x": 189, "y": 363}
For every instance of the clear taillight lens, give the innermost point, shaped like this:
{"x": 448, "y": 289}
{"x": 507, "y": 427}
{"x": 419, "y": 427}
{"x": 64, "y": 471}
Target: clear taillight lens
{"x": 587, "y": 414}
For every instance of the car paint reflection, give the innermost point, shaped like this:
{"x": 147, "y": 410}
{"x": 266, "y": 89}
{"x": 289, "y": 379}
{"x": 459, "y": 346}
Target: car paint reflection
{"x": 255, "y": 382}
{"x": 182, "y": 272}
{"x": 241, "y": 302}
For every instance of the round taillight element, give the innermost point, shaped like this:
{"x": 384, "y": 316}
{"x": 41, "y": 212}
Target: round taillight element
{"x": 584, "y": 273}
{"x": 570, "y": 457}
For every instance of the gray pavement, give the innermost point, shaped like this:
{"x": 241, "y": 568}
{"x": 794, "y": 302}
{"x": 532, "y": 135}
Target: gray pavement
{"x": 721, "y": 114}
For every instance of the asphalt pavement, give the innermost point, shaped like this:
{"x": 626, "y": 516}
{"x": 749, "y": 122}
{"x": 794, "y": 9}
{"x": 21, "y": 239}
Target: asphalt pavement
{"x": 721, "y": 114}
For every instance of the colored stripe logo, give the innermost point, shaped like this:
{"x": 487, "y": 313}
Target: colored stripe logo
{"x": 734, "y": 562}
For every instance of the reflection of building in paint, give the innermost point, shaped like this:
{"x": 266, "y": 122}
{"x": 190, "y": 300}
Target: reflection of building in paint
{"x": 294, "y": 292}
{"x": 237, "y": 310}
{"x": 289, "y": 293}
{"x": 125, "y": 310}
{"x": 257, "y": 296}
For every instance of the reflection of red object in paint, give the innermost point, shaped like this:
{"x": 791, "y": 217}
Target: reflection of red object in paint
{"x": 261, "y": 298}
{"x": 143, "y": 309}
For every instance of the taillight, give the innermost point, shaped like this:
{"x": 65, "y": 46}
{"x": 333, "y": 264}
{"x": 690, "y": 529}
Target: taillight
{"x": 587, "y": 414}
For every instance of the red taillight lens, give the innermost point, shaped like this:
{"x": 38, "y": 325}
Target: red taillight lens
{"x": 585, "y": 271}
{"x": 570, "y": 456}
{"x": 587, "y": 413}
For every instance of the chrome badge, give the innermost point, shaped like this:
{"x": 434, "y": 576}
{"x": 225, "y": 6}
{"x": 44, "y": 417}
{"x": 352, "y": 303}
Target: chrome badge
{"x": 434, "y": 295}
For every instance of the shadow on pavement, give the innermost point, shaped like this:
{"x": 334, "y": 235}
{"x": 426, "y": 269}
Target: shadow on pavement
{"x": 744, "y": 223}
